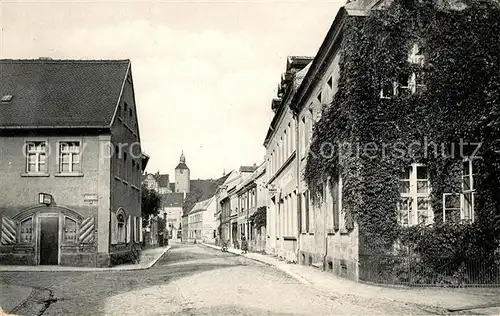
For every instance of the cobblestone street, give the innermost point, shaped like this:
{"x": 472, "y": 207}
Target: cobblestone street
{"x": 190, "y": 280}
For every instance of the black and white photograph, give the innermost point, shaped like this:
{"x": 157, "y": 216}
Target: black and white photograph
{"x": 249, "y": 157}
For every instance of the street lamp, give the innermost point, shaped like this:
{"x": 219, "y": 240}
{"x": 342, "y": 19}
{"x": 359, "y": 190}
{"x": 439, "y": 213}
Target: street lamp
{"x": 45, "y": 198}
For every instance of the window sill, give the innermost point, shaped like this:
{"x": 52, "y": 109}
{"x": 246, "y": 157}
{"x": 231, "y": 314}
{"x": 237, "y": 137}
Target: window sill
{"x": 34, "y": 175}
{"x": 69, "y": 174}
{"x": 289, "y": 238}
{"x": 344, "y": 231}
{"x": 135, "y": 187}
{"x": 125, "y": 182}
{"x": 117, "y": 178}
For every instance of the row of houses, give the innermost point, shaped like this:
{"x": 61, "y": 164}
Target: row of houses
{"x": 296, "y": 228}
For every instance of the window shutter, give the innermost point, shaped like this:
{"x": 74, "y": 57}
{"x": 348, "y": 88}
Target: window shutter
{"x": 9, "y": 231}
{"x": 129, "y": 229}
{"x": 135, "y": 229}
{"x": 336, "y": 206}
{"x": 86, "y": 231}
{"x": 307, "y": 210}
{"x": 140, "y": 229}
{"x": 114, "y": 229}
{"x": 349, "y": 221}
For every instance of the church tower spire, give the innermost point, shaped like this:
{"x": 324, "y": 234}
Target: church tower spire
{"x": 183, "y": 158}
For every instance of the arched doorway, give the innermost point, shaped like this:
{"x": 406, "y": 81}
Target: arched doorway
{"x": 47, "y": 227}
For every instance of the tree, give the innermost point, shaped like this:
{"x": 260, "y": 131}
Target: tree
{"x": 150, "y": 204}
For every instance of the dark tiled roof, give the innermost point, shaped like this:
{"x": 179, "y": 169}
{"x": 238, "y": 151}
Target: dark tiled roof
{"x": 202, "y": 190}
{"x": 248, "y": 168}
{"x": 172, "y": 199}
{"x": 181, "y": 165}
{"x": 61, "y": 92}
{"x": 163, "y": 181}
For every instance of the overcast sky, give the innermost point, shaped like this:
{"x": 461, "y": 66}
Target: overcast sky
{"x": 204, "y": 71}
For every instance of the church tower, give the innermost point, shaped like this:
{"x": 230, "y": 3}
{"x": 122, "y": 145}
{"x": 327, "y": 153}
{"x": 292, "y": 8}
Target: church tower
{"x": 182, "y": 176}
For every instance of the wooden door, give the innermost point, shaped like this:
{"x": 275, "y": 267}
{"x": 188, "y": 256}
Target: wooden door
{"x": 49, "y": 240}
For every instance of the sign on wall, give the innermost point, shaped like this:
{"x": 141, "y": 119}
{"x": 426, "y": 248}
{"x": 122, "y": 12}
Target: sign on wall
{"x": 90, "y": 197}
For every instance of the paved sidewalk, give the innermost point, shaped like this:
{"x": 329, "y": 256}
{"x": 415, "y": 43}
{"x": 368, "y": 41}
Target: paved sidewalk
{"x": 447, "y": 298}
{"x": 149, "y": 257}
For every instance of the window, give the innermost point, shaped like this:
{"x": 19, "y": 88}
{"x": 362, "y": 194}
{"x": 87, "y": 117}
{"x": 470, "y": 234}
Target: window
{"x": 388, "y": 90}
{"x": 7, "y": 98}
{"x": 416, "y": 55}
{"x": 36, "y": 157}
{"x": 459, "y": 207}
{"x": 330, "y": 82}
{"x": 451, "y": 207}
{"x": 306, "y": 208}
{"x": 469, "y": 176}
{"x": 319, "y": 97}
{"x": 120, "y": 218}
{"x": 26, "y": 233}
{"x": 69, "y": 157}
{"x": 70, "y": 229}
{"x": 303, "y": 136}
{"x": 125, "y": 109}
{"x": 125, "y": 167}
{"x": 414, "y": 206}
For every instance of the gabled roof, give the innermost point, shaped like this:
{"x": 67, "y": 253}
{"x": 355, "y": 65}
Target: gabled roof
{"x": 172, "y": 199}
{"x": 254, "y": 176}
{"x": 61, "y": 93}
{"x": 201, "y": 206}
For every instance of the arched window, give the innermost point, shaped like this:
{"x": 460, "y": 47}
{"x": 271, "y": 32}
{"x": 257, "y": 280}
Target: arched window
{"x": 70, "y": 230}
{"x": 120, "y": 220}
{"x": 26, "y": 232}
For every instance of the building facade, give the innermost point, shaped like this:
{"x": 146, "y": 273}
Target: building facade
{"x": 252, "y": 195}
{"x": 281, "y": 166}
{"x": 87, "y": 163}
{"x": 201, "y": 222}
{"x": 324, "y": 239}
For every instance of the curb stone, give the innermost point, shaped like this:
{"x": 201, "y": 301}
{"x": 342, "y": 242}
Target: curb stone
{"x": 84, "y": 269}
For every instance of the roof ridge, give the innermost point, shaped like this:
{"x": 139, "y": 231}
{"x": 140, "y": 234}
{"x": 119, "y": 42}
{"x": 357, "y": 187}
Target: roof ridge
{"x": 69, "y": 61}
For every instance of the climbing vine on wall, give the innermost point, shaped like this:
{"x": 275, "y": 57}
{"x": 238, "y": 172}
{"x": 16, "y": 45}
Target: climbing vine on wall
{"x": 372, "y": 137}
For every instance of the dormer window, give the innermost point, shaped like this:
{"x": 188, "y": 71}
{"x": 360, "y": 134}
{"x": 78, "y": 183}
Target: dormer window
{"x": 388, "y": 90}
{"x": 7, "y": 98}
{"x": 416, "y": 56}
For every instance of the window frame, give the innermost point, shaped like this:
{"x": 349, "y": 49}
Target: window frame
{"x": 121, "y": 237}
{"x": 413, "y": 213}
{"x": 32, "y": 232}
{"x": 64, "y": 239}
{"x": 61, "y": 141}
{"x": 37, "y": 155}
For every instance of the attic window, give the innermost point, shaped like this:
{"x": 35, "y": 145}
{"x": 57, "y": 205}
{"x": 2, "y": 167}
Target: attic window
{"x": 330, "y": 83}
{"x": 319, "y": 97}
{"x": 6, "y": 98}
{"x": 416, "y": 55}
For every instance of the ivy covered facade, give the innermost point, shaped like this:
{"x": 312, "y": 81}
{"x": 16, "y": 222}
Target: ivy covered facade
{"x": 400, "y": 170}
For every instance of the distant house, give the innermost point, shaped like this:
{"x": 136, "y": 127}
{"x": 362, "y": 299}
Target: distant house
{"x": 71, "y": 162}
{"x": 201, "y": 221}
